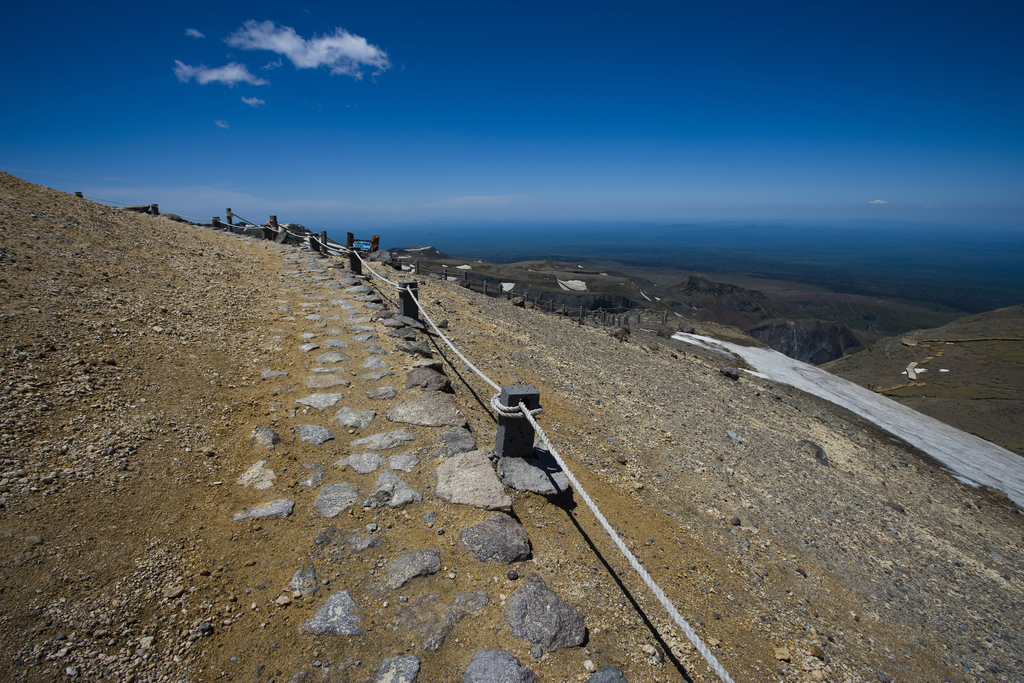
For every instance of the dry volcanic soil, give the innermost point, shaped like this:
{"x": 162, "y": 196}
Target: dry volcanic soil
{"x": 227, "y": 459}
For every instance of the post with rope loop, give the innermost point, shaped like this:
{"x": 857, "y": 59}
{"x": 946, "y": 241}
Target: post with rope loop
{"x": 79, "y": 195}
{"x": 408, "y": 292}
{"x": 323, "y": 241}
{"x": 215, "y": 222}
{"x": 229, "y": 216}
{"x": 515, "y": 433}
{"x": 354, "y": 264}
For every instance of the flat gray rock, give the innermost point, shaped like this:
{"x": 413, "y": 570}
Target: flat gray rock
{"x": 349, "y": 541}
{"x": 404, "y": 333}
{"x": 314, "y": 316}
{"x": 267, "y": 373}
{"x": 362, "y": 328}
{"x": 537, "y": 615}
{"x": 307, "y": 336}
{"x": 411, "y": 322}
{"x": 363, "y": 337}
{"x": 359, "y": 289}
{"x": 381, "y": 393}
{"x": 382, "y": 442}
{"x": 314, "y": 434}
{"x": 405, "y": 568}
{"x": 418, "y": 348}
{"x": 258, "y": 477}
{"x": 499, "y": 538}
{"x": 376, "y": 375}
{"x": 281, "y": 507}
{"x": 456, "y": 441}
{"x": 357, "y": 419}
{"x": 326, "y": 381}
{"x": 372, "y": 362}
{"x": 395, "y": 492}
{"x": 427, "y": 379}
{"x": 306, "y": 348}
{"x": 542, "y": 477}
{"x": 265, "y": 436}
{"x": 608, "y": 674}
{"x": 375, "y": 349}
{"x": 331, "y": 357}
{"x": 315, "y": 478}
{"x": 335, "y": 343}
{"x": 336, "y": 618}
{"x": 433, "y": 409}
{"x": 497, "y": 666}
{"x": 335, "y": 499}
{"x": 469, "y": 479}
{"x": 398, "y": 670}
{"x": 363, "y": 463}
{"x": 320, "y": 401}
{"x": 304, "y": 581}
{"x": 406, "y": 462}
{"x": 430, "y": 620}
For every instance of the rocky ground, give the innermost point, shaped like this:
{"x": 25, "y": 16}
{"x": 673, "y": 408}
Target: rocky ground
{"x": 224, "y": 459}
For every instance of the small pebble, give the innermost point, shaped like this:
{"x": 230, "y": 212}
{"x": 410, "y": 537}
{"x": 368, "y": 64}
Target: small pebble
{"x": 513, "y": 575}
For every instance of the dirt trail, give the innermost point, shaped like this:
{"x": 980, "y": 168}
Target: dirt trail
{"x": 133, "y": 354}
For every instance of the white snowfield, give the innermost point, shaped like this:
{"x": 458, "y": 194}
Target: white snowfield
{"x": 971, "y": 460}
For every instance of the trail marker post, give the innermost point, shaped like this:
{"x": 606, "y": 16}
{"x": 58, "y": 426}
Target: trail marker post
{"x": 515, "y": 434}
{"x": 408, "y": 292}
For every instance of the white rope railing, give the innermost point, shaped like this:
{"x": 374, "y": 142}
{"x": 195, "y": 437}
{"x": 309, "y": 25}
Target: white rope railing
{"x": 708, "y": 656}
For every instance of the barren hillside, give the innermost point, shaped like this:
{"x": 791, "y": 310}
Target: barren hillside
{"x": 140, "y": 357}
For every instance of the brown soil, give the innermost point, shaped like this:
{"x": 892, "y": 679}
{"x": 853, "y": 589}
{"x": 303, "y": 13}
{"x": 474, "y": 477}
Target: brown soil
{"x": 131, "y": 355}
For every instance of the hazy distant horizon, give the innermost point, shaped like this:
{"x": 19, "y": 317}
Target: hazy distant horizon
{"x": 970, "y": 270}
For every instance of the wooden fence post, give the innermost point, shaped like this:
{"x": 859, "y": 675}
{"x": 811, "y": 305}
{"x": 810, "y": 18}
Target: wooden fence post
{"x": 229, "y": 216}
{"x": 216, "y": 222}
{"x": 154, "y": 209}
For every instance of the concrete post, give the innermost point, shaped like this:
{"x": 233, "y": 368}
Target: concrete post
{"x": 230, "y": 216}
{"x": 515, "y": 435}
{"x": 323, "y": 241}
{"x": 354, "y": 264}
{"x": 415, "y": 267}
{"x": 485, "y": 289}
{"x": 406, "y": 301}
{"x": 216, "y": 222}
{"x": 154, "y": 209}
{"x": 79, "y": 195}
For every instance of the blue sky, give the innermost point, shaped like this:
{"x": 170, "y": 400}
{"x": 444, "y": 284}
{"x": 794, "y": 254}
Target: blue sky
{"x": 335, "y": 114}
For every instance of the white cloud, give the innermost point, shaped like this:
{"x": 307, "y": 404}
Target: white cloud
{"x": 228, "y": 75}
{"x": 343, "y": 52}
{"x": 254, "y": 102}
{"x": 272, "y": 65}
{"x": 221, "y": 124}
{"x": 878, "y": 201}
{"x": 192, "y": 33}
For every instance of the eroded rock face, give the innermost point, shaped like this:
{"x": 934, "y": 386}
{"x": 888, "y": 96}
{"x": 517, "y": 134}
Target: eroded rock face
{"x": 537, "y": 615}
{"x": 810, "y": 341}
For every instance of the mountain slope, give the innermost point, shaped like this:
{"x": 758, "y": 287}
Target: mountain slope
{"x": 970, "y": 373}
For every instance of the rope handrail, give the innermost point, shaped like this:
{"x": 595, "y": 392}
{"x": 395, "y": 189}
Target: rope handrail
{"x": 108, "y": 201}
{"x": 522, "y": 411}
{"x": 478, "y": 371}
{"x": 694, "y": 639}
